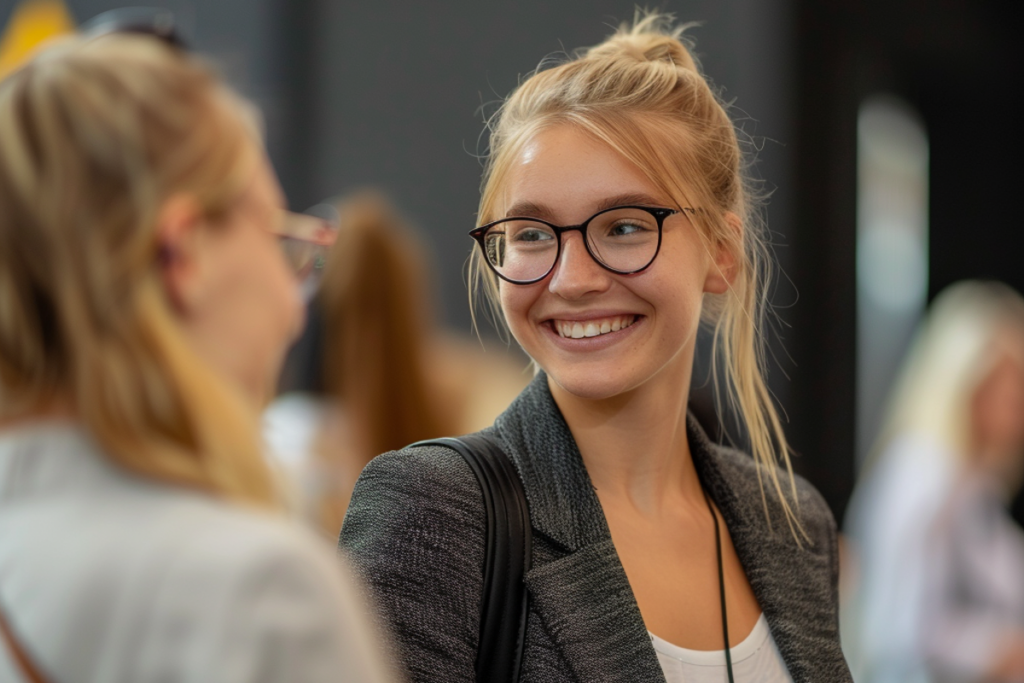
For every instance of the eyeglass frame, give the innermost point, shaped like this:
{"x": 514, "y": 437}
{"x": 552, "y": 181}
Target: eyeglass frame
{"x": 659, "y": 213}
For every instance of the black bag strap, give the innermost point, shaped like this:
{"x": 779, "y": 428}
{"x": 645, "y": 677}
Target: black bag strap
{"x": 506, "y": 559}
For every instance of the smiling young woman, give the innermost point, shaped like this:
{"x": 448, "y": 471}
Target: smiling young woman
{"x": 614, "y": 222}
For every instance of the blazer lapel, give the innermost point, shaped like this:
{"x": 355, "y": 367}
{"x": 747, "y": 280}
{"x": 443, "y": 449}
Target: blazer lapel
{"x": 582, "y": 595}
{"x": 588, "y": 608}
{"x": 786, "y": 579}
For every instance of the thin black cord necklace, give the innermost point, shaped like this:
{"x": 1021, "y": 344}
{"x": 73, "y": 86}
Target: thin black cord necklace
{"x": 721, "y": 586}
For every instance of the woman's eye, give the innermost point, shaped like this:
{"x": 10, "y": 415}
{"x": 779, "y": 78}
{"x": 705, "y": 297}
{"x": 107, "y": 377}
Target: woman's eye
{"x": 533, "y": 235}
{"x": 623, "y": 229}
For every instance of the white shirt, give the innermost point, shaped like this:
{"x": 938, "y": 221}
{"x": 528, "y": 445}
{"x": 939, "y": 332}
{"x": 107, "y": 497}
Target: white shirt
{"x": 109, "y": 577}
{"x": 755, "y": 660}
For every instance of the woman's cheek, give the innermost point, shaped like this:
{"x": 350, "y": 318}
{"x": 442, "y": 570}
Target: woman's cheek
{"x": 291, "y": 314}
{"x": 516, "y": 301}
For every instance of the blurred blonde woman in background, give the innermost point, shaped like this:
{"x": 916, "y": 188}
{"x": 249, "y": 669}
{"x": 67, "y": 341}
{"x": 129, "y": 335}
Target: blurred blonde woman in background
{"x": 389, "y": 376}
{"x": 938, "y": 564}
{"x": 145, "y": 306}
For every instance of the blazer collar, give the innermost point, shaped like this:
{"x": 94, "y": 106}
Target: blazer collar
{"x": 563, "y": 503}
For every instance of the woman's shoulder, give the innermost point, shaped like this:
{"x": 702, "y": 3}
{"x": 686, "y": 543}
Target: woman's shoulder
{"x": 431, "y": 465}
{"x": 173, "y": 583}
{"x": 415, "y": 533}
{"x": 226, "y": 541}
{"x": 196, "y": 553}
{"x": 235, "y": 581}
{"x": 433, "y": 476}
{"x": 424, "y": 488}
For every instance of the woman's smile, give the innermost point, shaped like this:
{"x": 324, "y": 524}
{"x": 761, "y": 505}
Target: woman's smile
{"x": 583, "y": 333}
{"x": 592, "y": 327}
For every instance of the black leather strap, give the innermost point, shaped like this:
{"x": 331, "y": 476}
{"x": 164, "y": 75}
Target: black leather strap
{"x": 507, "y": 557}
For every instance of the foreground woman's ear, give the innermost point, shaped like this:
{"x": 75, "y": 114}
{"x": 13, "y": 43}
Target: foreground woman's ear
{"x": 725, "y": 255}
{"x": 182, "y": 262}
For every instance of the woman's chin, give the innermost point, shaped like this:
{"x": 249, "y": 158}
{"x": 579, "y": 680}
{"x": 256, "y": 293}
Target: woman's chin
{"x": 587, "y": 384}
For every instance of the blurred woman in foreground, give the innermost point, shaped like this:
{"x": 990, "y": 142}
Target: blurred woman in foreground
{"x": 145, "y": 307}
{"x": 939, "y": 570}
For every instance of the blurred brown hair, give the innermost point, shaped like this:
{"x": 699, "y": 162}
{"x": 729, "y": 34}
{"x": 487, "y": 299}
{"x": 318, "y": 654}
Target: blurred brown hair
{"x": 377, "y": 320}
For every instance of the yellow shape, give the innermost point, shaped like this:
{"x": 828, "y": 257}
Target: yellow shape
{"x": 32, "y": 23}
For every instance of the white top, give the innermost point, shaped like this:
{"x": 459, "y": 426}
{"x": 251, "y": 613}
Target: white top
{"x": 756, "y": 659}
{"x": 108, "y": 577}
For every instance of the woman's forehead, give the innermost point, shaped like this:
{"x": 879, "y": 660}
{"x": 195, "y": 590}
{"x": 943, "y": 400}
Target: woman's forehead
{"x": 564, "y": 174}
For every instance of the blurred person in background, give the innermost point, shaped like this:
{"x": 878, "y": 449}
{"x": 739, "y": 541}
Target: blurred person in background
{"x": 937, "y": 563}
{"x": 145, "y": 306}
{"x": 384, "y": 376}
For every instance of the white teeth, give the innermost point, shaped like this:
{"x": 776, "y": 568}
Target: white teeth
{"x": 592, "y": 328}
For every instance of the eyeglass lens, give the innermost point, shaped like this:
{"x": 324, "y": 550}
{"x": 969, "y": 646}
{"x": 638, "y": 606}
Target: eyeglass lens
{"x": 306, "y": 241}
{"x": 521, "y": 250}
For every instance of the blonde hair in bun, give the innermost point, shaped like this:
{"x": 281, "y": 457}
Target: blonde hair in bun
{"x": 643, "y": 93}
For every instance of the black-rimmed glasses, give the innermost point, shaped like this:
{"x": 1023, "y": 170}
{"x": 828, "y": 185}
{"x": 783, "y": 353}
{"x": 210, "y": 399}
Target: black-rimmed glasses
{"x": 623, "y": 239}
{"x": 306, "y": 240}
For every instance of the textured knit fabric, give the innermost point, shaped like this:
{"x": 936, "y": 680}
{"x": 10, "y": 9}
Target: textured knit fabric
{"x": 415, "y": 533}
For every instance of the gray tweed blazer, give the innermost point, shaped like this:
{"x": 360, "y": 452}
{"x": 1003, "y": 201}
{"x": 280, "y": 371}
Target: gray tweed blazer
{"x": 415, "y": 533}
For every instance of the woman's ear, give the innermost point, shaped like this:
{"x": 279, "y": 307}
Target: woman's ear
{"x": 725, "y": 255}
{"x": 178, "y": 232}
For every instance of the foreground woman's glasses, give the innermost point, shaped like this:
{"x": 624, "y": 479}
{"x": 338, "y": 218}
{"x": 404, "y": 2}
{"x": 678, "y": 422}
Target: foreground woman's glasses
{"x": 622, "y": 239}
{"x": 306, "y": 238}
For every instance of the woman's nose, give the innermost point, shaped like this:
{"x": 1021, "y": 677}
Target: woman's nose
{"x": 577, "y": 273}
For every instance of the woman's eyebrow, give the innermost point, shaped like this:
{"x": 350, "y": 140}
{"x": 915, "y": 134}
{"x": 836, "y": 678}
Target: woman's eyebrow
{"x": 632, "y": 198}
{"x": 528, "y": 209}
{"x": 535, "y": 210}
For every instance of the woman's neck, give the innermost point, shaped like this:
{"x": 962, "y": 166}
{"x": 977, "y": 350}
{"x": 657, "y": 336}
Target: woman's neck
{"x": 635, "y": 445}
